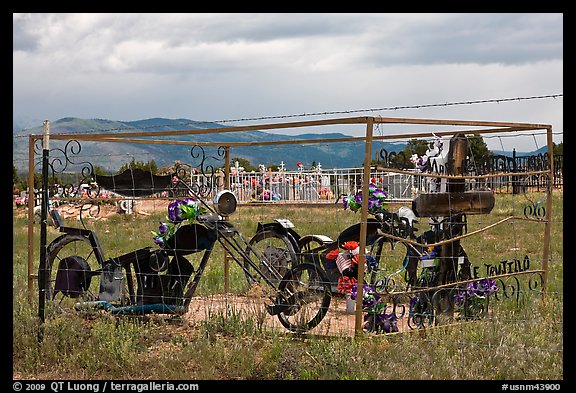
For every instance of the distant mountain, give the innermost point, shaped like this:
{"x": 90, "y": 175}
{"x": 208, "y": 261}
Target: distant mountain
{"x": 23, "y": 122}
{"x": 113, "y": 155}
{"x": 508, "y": 153}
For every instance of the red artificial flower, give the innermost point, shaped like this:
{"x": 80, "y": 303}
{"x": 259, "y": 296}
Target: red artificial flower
{"x": 350, "y": 245}
{"x": 333, "y": 254}
{"x": 345, "y": 284}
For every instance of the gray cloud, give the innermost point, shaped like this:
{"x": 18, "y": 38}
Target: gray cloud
{"x": 22, "y": 38}
{"x": 384, "y": 39}
{"x": 470, "y": 38}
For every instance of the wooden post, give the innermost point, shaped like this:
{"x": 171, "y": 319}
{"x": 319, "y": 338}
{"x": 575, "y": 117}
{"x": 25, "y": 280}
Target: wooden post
{"x": 43, "y": 230}
{"x": 31, "y": 275}
{"x": 363, "y": 225}
{"x": 226, "y": 187}
{"x": 548, "y": 224}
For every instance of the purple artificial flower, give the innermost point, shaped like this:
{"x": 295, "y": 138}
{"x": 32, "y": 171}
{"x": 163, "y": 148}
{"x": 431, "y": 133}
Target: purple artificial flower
{"x": 354, "y": 291}
{"x": 388, "y": 323}
{"x": 163, "y": 228}
{"x": 350, "y": 203}
{"x": 369, "y": 301}
{"x": 384, "y": 323}
{"x": 369, "y": 296}
{"x": 376, "y": 200}
{"x": 477, "y": 289}
{"x": 174, "y": 213}
{"x": 378, "y": 193}
{"x": 381, "y": 323}
{"x": 189, "y": 202}
{"x": 458, "y": 298}
{"x": 375, "y": 318}
{"x": 374, "y": 204}
{"x": 488, "y": 286}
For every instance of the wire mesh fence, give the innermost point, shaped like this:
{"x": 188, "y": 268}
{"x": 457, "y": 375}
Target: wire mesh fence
{"x": 183, "y": 246}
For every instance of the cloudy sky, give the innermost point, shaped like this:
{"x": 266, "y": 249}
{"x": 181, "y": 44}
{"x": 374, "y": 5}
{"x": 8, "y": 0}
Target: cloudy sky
{"x": 216, "y": 67}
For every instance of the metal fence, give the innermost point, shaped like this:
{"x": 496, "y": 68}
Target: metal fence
{"x": 327, "y": 185}
{"x": 311, "y": 185}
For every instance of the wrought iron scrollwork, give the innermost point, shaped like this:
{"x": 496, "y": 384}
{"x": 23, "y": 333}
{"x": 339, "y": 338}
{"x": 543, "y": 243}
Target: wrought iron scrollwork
{"x": 498, "y": 163}
{"x": 512, "y": 288}
{"x": 60, "y": 159}
{"x": 535, "y": 210}
{"x": 206, "y": 183}
{"x": 509, "y": 288}
{"x": 535, "y": 282}
{"x": 394, "y": 160}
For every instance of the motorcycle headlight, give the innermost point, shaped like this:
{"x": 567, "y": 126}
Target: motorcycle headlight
{"x": 225, "y": 203}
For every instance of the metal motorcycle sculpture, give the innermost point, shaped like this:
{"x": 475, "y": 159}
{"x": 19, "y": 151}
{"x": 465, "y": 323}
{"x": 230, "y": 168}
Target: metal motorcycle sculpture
{"x": 162, "y": 280}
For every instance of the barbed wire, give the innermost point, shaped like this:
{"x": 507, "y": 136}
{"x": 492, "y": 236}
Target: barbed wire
{"x": 390, "y": 108}
{"x": 326, "y": 113}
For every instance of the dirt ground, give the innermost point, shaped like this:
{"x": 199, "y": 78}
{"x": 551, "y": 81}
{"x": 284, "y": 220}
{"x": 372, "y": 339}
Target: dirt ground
{"x": 337, "y": 322}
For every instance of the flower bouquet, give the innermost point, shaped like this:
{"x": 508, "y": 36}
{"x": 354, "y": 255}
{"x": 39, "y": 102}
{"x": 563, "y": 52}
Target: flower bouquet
{"x": 347, "y": 263}
{"x": 375, "y": 317}
{"x": 268, "y": 195}
{"x": 179, "y": 211}
{"x": 473, "y": 300}
{"x": 376, "y": 200}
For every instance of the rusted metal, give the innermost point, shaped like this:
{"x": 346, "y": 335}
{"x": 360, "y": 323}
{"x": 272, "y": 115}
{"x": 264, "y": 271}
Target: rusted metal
{"x": 547, "y": 225}
{"x": 363, "y": 227}
{"x": 443, "y": 203}
{"x": 31, "y": 142}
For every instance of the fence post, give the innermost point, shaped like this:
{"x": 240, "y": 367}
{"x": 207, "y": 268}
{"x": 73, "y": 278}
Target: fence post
{"x": 31, "y": 276}
{"x": 548, "y": 218}
{"x": 43, "y": 212}
{"x": 363, "y": 225}
{"x": 226, "y": 187}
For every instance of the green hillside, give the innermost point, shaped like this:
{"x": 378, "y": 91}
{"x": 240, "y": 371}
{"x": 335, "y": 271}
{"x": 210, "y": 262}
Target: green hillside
{"x": 113, "y": 155}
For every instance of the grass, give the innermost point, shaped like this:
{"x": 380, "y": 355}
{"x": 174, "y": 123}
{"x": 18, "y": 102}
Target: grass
{"x": 519, "y": 341}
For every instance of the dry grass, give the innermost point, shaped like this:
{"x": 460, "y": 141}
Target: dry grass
{"x": 519, "y": 341}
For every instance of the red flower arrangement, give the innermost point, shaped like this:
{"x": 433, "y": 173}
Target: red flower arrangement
{"x": 347, "y": 264}
{"x": 346, "y": 283}
{"x": 350, "y": 245}
{"x": 332, "y": 255}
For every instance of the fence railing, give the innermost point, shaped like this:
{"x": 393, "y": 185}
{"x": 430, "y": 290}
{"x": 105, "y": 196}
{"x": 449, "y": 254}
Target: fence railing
{"x": 310, "y": 186}
{"x": 327, "y": 185}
